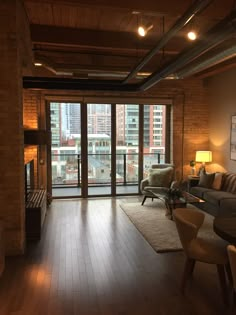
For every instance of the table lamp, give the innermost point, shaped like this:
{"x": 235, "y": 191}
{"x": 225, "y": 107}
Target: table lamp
{"x": 203, "y": 157}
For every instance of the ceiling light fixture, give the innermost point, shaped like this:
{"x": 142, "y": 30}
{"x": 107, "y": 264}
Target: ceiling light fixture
{"x": 143, "y": 30}
{"x": 38, "y": 64}
{"x": 192, "y": 35}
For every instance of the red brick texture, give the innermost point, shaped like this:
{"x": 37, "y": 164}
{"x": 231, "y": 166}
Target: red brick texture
{"x": 12, "y": 210}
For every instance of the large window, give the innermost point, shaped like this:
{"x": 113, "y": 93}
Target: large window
{"x": 116, "y": 157}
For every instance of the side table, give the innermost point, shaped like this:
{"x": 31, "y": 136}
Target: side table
{"x": 193, "y": 180}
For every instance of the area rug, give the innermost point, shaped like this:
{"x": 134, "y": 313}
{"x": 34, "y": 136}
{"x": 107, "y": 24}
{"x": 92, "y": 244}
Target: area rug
{"x": 158, "y": 230}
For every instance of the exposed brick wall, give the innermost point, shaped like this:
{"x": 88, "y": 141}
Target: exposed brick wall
{"x": 12, "y": 210}
{"x": 189, "y": 112}
{"x": 31, "y": 106}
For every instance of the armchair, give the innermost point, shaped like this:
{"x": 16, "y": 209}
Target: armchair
{"x": 160, "y": 180}
{"x": 207, "y": 250}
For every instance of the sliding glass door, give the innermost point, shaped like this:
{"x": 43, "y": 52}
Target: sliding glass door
{"x": 65, "y": 149}
{"x": 99, "y": 149}
{"x": 154, "y": 136}
{"x": 127, "y": 148}
{"x": 102, "y": 149}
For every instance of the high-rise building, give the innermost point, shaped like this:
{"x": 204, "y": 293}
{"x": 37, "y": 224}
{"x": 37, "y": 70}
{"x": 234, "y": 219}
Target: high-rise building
{"x": 99, "y": 119}
{"x": 132, "y": 125}
{"x": 55, "y": 112}
{"x": 70, "y": 119}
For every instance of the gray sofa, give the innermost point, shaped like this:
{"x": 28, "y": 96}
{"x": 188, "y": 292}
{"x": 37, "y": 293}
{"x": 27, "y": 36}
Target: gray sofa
{"x": 220, "y": 202}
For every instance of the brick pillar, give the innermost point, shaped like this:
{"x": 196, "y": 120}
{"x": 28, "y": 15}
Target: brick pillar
{"x": 12, "y": 206}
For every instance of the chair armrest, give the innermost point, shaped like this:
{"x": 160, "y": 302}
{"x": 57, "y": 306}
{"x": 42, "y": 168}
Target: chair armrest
{"x": 144, "y": 182}
{"x": 174, "y": 184}
{"x": 162, "y": 191}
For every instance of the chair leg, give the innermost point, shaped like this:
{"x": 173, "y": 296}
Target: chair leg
{"x": 145, "y": 197}
{"x": 229, "y": 274}
{"x": 192, "y": 267}
{"x": 223, "y": 286}
{"x": 232, "y": 300}
{"x": 188, "y": 269}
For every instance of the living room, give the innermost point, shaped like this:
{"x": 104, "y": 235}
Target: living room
{"x": 201, "y": 112}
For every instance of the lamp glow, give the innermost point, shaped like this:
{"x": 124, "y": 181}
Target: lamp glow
{"x": 203, "y": 157}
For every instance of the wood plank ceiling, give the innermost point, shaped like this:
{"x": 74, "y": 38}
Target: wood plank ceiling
{"x": 86, "y": 39}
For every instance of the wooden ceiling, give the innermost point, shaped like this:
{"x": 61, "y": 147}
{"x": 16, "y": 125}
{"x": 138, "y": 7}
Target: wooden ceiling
{"x": 98, "y": 39}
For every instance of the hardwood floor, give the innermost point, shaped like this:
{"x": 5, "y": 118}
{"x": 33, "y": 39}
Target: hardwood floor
{"x": 91, "y": 260}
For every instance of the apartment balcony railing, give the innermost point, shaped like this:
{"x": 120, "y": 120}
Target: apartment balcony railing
{"x": 66, "y": 168}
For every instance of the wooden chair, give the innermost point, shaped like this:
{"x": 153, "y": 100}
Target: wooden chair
{"x": 232, "y": 261}
{"x": 188, "y": 221}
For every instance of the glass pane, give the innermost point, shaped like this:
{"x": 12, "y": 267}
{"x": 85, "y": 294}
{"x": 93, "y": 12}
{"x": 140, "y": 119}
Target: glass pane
{"x": 66, "y": 134}
{"x": 99, "y": 149}
{"x": 154, "y": 136}
{"x": 127, "y": 148}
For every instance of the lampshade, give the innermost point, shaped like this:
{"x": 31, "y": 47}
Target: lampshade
{"x": 203, "y": 156}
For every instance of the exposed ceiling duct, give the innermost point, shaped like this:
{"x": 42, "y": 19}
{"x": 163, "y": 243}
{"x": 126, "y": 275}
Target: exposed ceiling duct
{"x": 219, "y": 33}
{"x": 197, "y": 7}
{"x": 207, "y": 62}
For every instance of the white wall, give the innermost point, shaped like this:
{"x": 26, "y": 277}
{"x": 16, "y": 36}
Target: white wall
{"x": 222, "y": 91}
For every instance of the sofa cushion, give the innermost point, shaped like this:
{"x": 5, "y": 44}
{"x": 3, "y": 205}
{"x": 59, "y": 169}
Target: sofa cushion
{"x": 198, "y": 191}
{"x": 215, "y": 196}
{"x": 229, "y": 182}
{"x": 217, "y": 181}
{"x": 206, "y": 180}
{"x": 228, "y": 207}
{"x": 160, "y": 177}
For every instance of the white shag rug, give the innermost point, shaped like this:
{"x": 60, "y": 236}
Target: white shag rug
{"x": 157, "y": 228}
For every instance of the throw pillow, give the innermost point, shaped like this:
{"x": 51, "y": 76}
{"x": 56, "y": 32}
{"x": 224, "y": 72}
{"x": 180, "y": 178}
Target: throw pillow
{"x": 206, "y": 180}
{"x": 160, "y": 177}
{"x": 217, "y": 181}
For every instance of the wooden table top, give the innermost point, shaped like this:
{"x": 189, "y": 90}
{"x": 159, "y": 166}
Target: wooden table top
{"x": 225, "y": 227}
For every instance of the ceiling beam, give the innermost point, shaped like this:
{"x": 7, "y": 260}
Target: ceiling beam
{"x": 219, "y": 68}
{"x": 50, "y": 35}
{"x": 217, "y": 10}
{"x": 71, "y": 37}
{"x": 63, "y": 61}
{"x": 77, "y": 84}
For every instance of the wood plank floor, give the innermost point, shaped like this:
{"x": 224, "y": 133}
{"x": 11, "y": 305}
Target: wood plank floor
{"x": 91, "y": 260}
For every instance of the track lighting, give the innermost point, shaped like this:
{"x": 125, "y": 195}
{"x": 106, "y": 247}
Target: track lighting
{"x": 38, "y": 64}
{"x": 144, "y": 29}
{"x": 192, "y": 35}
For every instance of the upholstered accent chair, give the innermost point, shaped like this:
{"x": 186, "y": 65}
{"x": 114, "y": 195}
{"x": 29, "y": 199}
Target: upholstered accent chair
{"x": 210, "y": 251}
{"x": 232, "y": 261}
{"x": 160, "y": 180}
